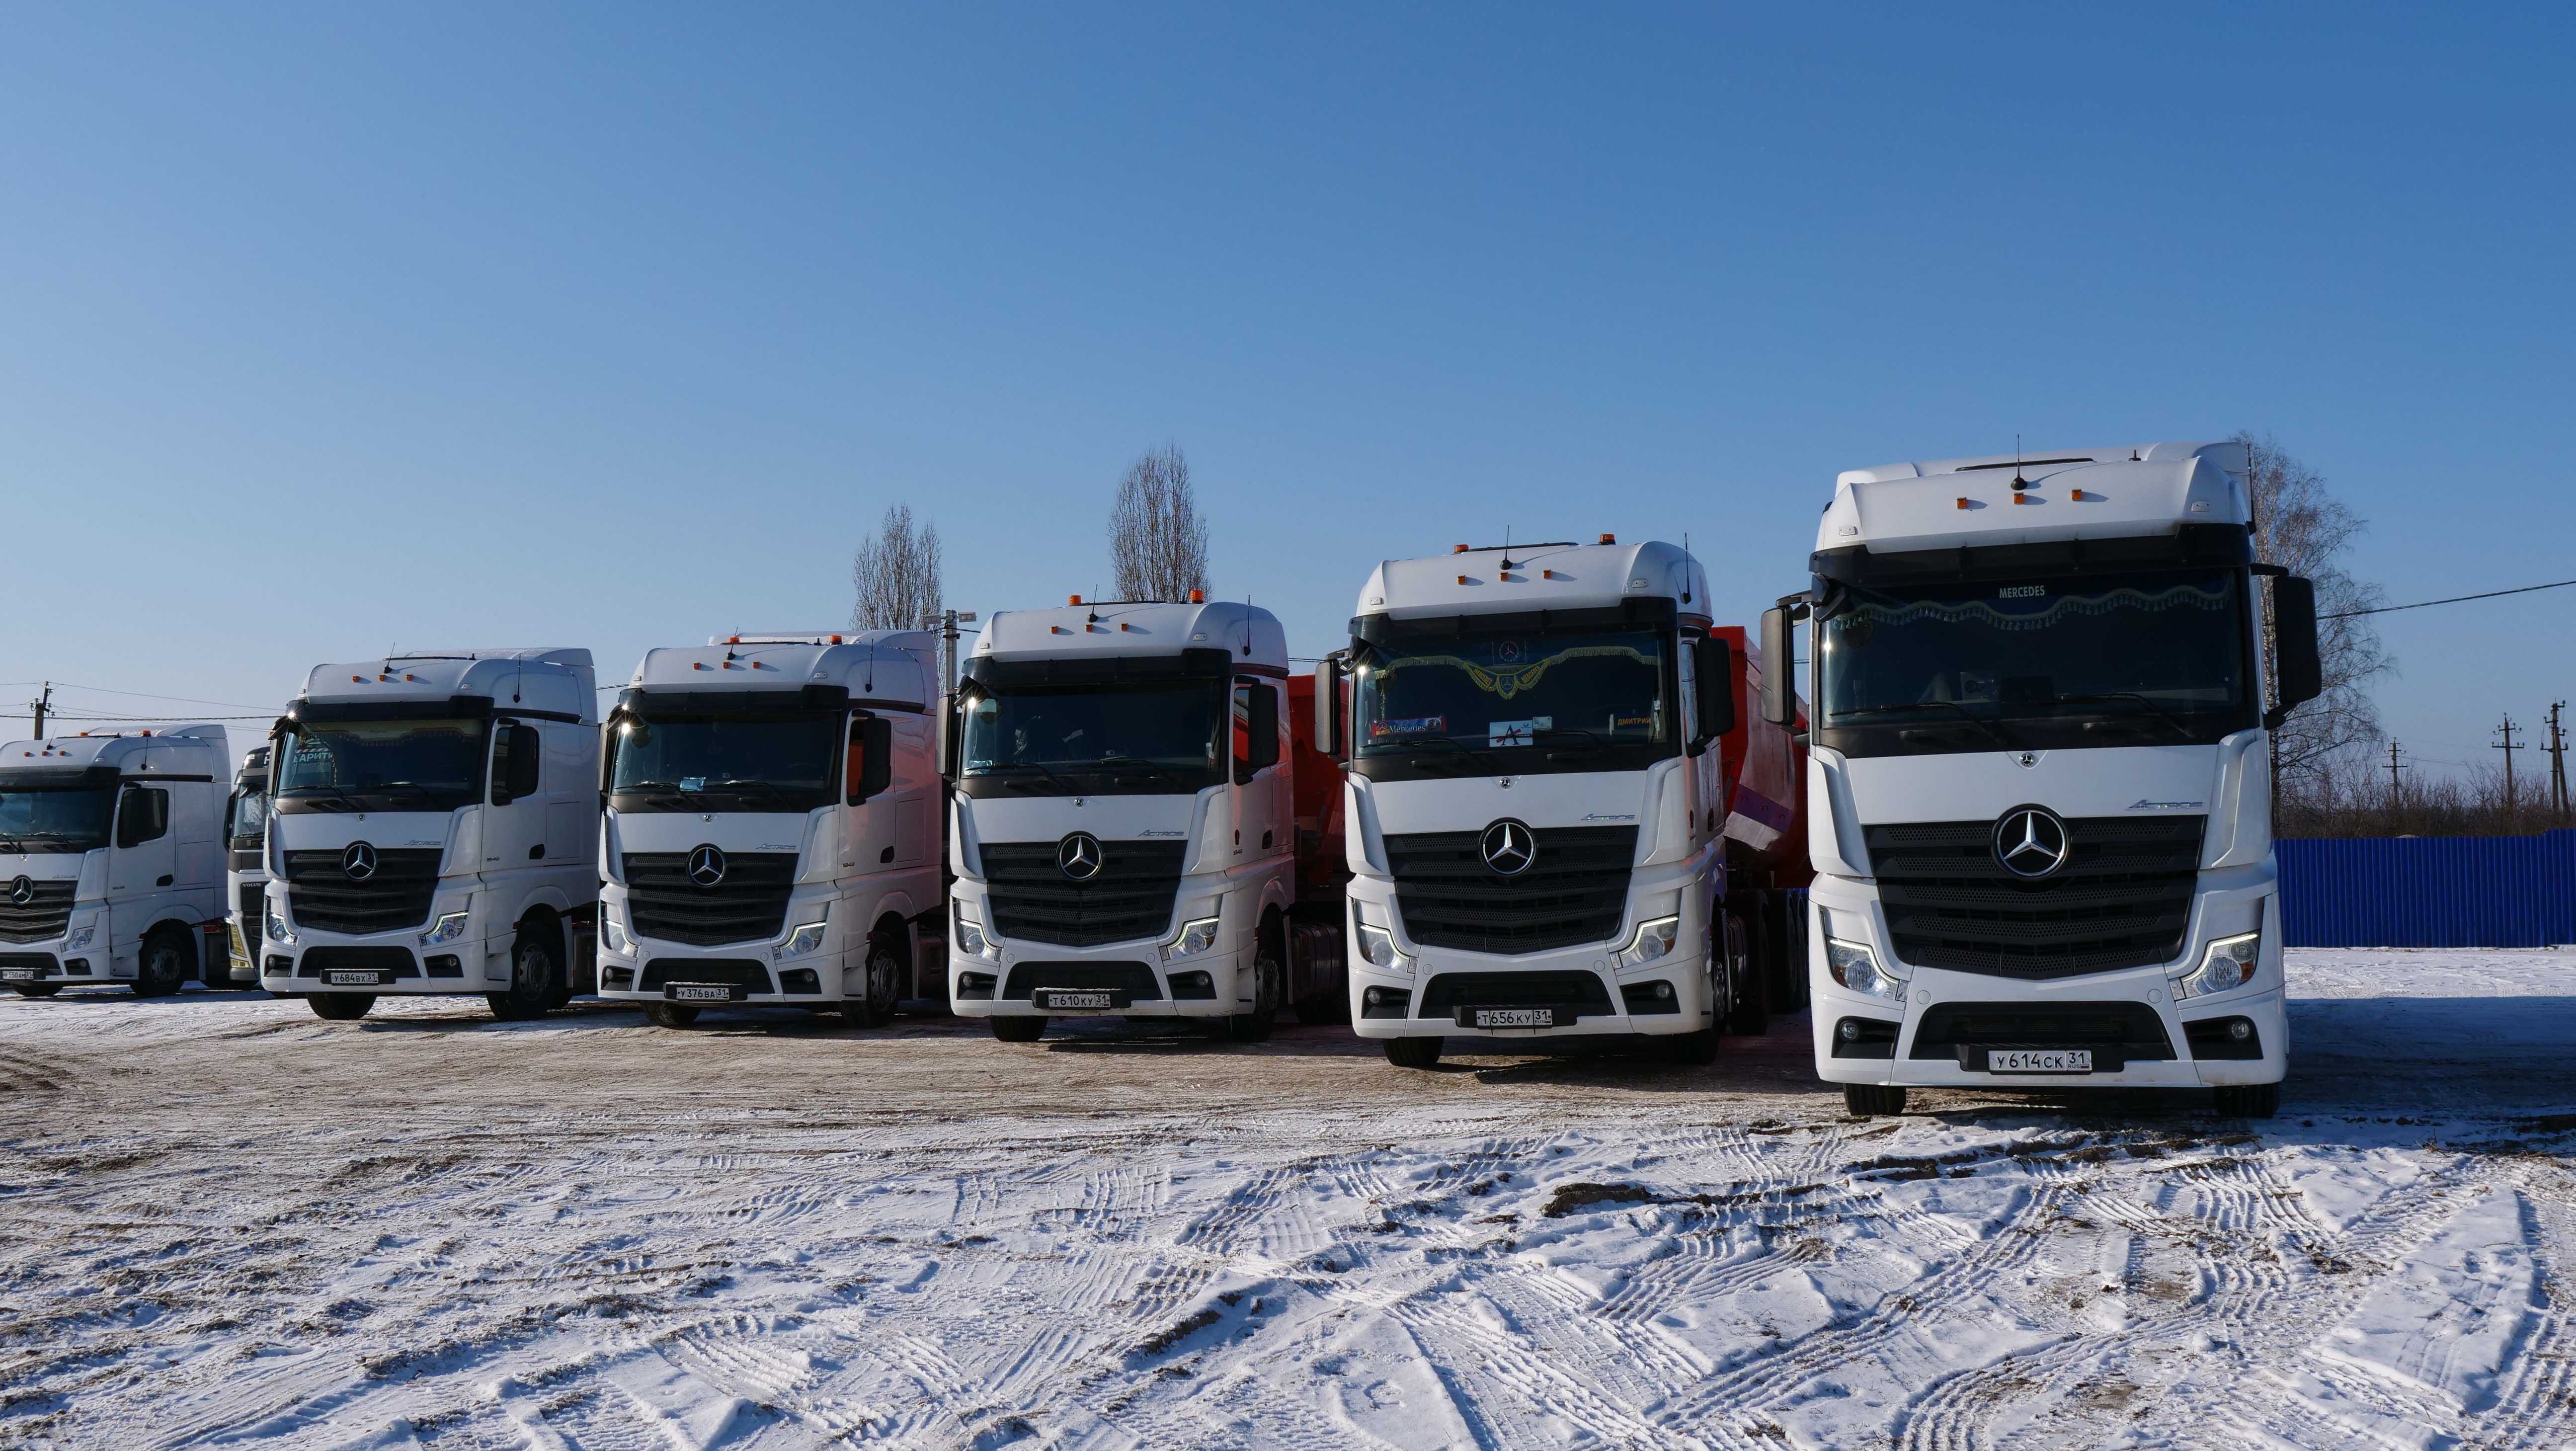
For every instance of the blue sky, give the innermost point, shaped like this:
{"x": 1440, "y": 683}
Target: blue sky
{"x": 333, "y": 328}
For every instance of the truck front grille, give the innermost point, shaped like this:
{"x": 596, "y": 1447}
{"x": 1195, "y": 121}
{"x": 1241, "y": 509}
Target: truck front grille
{"x": 2123, "y": 898}
{"x": 322, "y": 896}
{"x": 41, "y": 918}
{"x": 1128, "y": 899}
{"x": 1575, "y": 889}
{"x": 748, "y": 905}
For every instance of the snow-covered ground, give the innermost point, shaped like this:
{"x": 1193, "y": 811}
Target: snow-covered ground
{"x": 224, "y": 1221}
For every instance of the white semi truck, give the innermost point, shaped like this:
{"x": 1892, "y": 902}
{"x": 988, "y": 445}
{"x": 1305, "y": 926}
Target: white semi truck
{"x": 112, "y": 861}
{"x": 1537, "y": 812}
{"x": 2040, "y": 783}
{"x": 246, "y": 861}
{"x": 773, "y": 827}
{"x": 434, "y": 830}
{"x": 1125, "y": 835}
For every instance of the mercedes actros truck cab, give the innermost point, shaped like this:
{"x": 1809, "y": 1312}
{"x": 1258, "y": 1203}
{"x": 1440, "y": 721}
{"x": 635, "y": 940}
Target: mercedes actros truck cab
{"x": 434, "y": 831}
{"x": 1540, "y": 803}
{"x": 1125, "y": 834}
{"x": 2040, "y": 782}
{"x": 246, "y": 864}
{"x": 111, "y": 861}
{"x": 773, "y": 827}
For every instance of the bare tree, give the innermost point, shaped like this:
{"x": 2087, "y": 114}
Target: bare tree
{"x": 1157, "y": 541}
{"x": 2301, "y": 527}
{"x": 896, "y": 574}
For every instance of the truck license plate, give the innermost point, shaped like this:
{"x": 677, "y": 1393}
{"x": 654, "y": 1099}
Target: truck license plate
{"x": 1059, "y": 999}
{"x": 17, "y": 974}
{"x": 353, "y": 979}
{"x": 2039, "y": 1060}
{"x": 700, "y": 992}
{"x": 1516, "y": 1017}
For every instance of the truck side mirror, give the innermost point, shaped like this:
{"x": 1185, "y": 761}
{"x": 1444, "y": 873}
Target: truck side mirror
{"x": 871, "y": 765}
{"x": 1328, "y": 706}
{"x": 2296, "y": 666}
{"x": 1716, "y": 668}
{"x": 515, "y": 764}
{"x": 1779, "y": 670}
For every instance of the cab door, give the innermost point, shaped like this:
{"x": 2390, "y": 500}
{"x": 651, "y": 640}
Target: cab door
{"x": 514, "y": 820}
{"x": 1260, "y": 780}
{"x": 141, "y": 864}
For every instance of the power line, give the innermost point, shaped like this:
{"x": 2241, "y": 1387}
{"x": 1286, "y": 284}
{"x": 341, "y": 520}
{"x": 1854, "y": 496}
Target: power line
{"x": 2453, "y": 600}
{"x": 137, "y": 694}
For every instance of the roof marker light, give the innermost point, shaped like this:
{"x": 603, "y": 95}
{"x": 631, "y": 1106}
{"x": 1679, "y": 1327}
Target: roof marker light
{"x": 1198, "y": 596}
{"x": 1457, "y": 548}
{"x": 1609, "y": 538}
{"x": 836, "y": 639}
{"x": 1122, "y": 624}
{"x": 1963, "y": 502}
{"x": 733, "y": 639}
{"x": 1073, "y": 599}
{"x": 1462, "y": 579}
{"x": 2077, "y": 496}
{"x": 357, "y": 680}
{"x": 1547, "y": 574}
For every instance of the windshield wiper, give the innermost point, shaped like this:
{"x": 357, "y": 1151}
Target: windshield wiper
{"x": 1424, "y": 762}
{"x": 1971, "y": 717}
{"x": 742, "y": 784}
{"x": 1589, "y": 739}
{"x": 1114, "y": 763}
{"x": 642, "y": 787}
{"x": 2097, "y": 697}
{"x": 1061, "y": 783}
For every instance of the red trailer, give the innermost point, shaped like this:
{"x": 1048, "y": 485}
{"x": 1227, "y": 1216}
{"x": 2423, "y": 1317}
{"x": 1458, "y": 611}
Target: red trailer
{"x": 1767, "y": 866}
{"x": 1318, "y": 975}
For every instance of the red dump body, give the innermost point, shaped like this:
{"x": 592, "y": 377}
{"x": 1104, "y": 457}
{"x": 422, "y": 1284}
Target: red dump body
{"x": 1318, "y": 979}
{"x": 1766, "y": 778}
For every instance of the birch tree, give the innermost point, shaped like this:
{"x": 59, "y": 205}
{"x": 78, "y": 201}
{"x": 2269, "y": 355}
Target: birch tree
{"x": 2302, "y": 527}
{"x": 896, "y": 574}
{"x": 1157, "y": 541}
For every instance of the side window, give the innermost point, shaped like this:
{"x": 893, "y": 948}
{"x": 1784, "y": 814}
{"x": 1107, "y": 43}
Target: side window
{"x": 143, "y": 815}
{"x": 518, "y": 755}
{"x": 1256, "y": 728}
{"x": 1688, "y": 659}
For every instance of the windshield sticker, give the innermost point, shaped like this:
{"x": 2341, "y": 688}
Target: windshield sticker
{"x": 1984, "y": 612}
{"x": 1420, "y": 725}
{"x": 1518, "y": 732}
{"x": 1509, "y": 678}
{"x": 2022, "y": 592}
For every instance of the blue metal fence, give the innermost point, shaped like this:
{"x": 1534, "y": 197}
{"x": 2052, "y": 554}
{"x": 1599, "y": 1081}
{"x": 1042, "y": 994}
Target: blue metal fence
{"x": 2429, "y": 891}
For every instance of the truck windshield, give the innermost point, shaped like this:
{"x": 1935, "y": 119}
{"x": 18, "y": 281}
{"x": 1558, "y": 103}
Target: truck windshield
{"x": 246, "y": 815}
{"x": 1139, "y": 738}
{"x": 2149, "y": 659}
{"x": 388, "y": 765}
{"x": 55, "y": 818}
{"x": 1529, "y": 702}
{"x": 724, "y": 761}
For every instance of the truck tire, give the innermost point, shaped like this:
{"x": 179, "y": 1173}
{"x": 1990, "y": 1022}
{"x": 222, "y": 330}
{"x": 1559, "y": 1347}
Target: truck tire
{"x": 1269, "y": 985}
{"x": 37, "y": 989}
{"x": 883, "y": 976}
{"x": 1873, "y": 1100}
{"x": 2247, "y": 1100}
{"x": 670, "y": 1015}
{"x": 164, "y": 964}
{"x": 341, "y": 1007}
{"x": 1414, "y": 1052}
{"x": 536, "y": 975}
{"x": 1017, "y": 1029}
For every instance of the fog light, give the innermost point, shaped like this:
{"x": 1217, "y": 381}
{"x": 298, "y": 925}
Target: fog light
{"x": 618, "y": 977}
{"x": 800, "y": 980}
{"x": 444, "y": 964}
{"x": 2240, "y": 1030}
{"x": 1850, "y": 1031}
{"x": 1374, "y": 996}
{"x": 1664, "y": 990}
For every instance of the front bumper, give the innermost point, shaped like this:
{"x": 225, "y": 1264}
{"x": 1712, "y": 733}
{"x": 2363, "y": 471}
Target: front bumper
{"x": 1673, "y": 994}
{"x": 328, "y": 962}
{"x": 77, "y": 957}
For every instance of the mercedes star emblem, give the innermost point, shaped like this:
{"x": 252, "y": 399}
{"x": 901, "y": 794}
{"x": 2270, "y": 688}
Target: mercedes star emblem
{"x": 1508, "y": 847}
{"x": 21, "y": 891}
{"x": 1078, "y": 856}
{"x": 358, "y": 862}
{"x": 706, "y": 866}
{"x": 2030, "y": 841}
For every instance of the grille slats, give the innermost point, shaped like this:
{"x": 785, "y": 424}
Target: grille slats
{"x": 320, "y": 960}
{"x": 1575, "y": 890}
{"x": 44, "y": 916}
{"x": 1127, "y": 900}
{"x": 2124, "y": 1031}
{"x": 661, "y": 972}
{"x": 1581, "y": 991}
{"x": 2122, "y": 900}
{"x": 1135, "y": 978}
{"x": 321, "y": 896}
{"x": 749, "y": 905}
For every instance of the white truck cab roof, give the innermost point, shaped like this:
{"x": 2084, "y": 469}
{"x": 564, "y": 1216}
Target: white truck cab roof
{"x": 544, "y": 682}
{"x": 888, "y": 669}
{"x": 1528, "y": 577}
{"x": 196, "y": 752}
{"x": 2039, "y": 496}
{"x": 1250, "y": 636}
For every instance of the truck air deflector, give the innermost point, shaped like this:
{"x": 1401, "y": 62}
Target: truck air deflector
{"x": 2121, "y": 900}
{"x": 682, "y": 701}
{"x": 1192, "y": 664}
{"x": 1574, "y": 890}
{"x": 2188, "y": 546}
{"x": 454, "y": 707}
{"x": 1644, "y": 612}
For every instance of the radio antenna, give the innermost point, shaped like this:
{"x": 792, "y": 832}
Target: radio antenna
{"x": 2017, "y": 478}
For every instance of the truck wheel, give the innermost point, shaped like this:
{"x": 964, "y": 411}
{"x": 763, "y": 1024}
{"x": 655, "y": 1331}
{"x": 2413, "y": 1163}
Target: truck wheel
{"x": 1872, "y": 1100}
{"x": 534, "y": 976}
{"x": 164, "y": 965}
{"x": 2248, "y": 1100}
{"x": 1269, "y": 985}
{"x": 670, "y": 1015}
{"x": 1688, "y": 1050}
{"x": 884, "y": 976}
{"x": 1414, "y": 1052}
{"x": 341, "y": 1007}
{"x": 1018, "y": 1030}
{"x": 37, "y": 989}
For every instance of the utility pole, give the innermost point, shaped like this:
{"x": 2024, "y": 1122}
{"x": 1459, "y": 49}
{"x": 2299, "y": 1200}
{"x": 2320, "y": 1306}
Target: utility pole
{"x": 945, "y": 622}
{"x": 2396, "y": 788}
{"x": 2512, "y": 806}
{"x": 2557, "y": 762}
{"x": 43, "y": 706}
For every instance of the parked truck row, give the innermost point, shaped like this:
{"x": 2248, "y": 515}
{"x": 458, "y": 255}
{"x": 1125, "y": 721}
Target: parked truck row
{"x": 1540, "y": 793}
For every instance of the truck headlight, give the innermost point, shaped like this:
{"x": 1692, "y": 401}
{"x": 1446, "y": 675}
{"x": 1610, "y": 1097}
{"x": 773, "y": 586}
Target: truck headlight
{"x": 1194, "y": 938}
{"x": 801, "y": 941}
{"x": 1653, "y": 940}
{"x": 1856, "y": 967}
{"x": 278, "y": 931}
{"x": 2228, "y": 963}
{"x": 448, "y": 927}
{"x": 79, "y": 937}
{"x": 970, "y": 937}
{"x": 612, "y": 936}
{"x": 1377, "y": 945}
